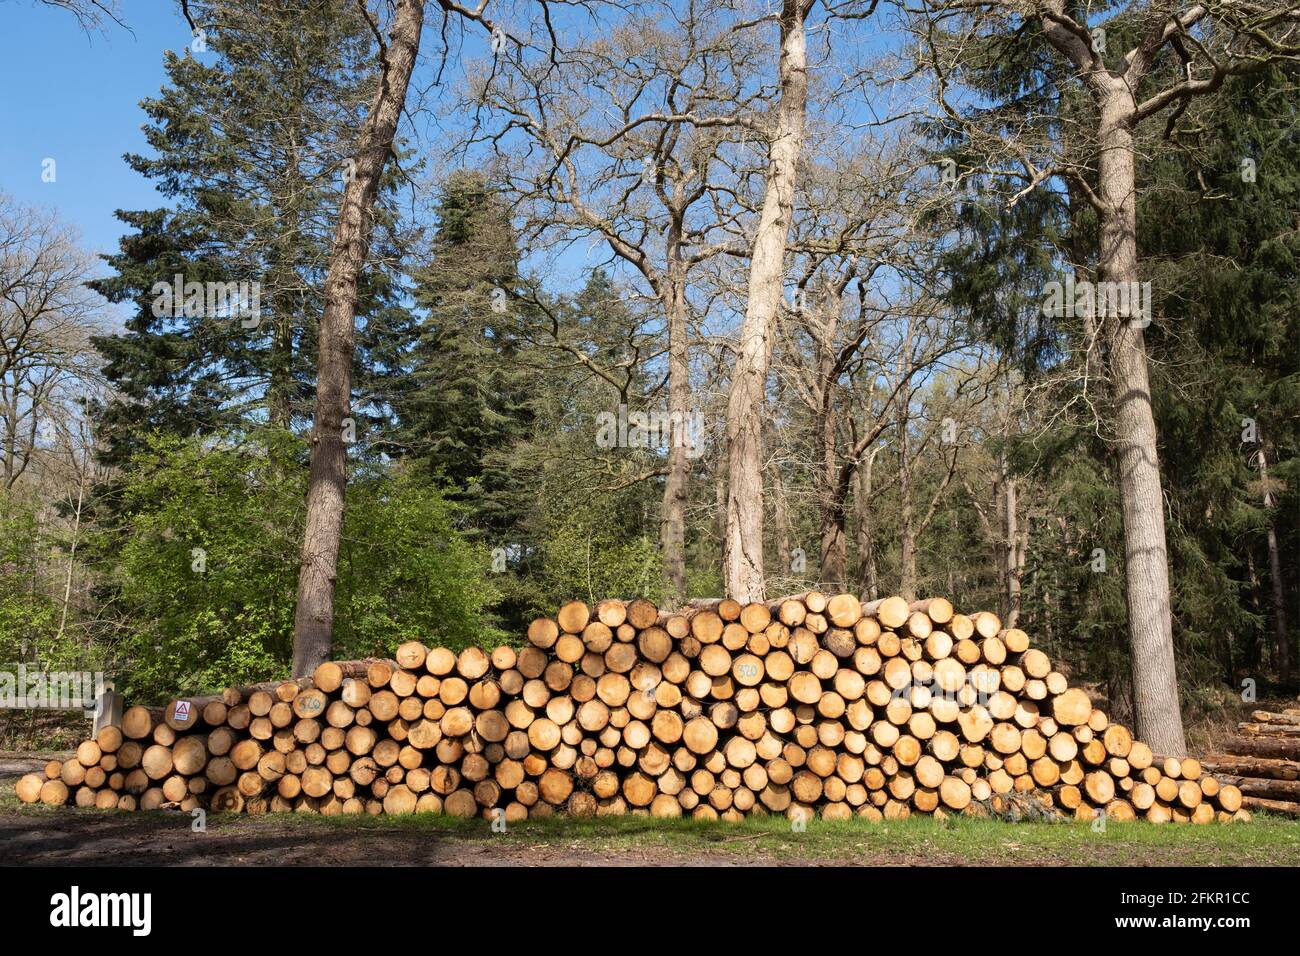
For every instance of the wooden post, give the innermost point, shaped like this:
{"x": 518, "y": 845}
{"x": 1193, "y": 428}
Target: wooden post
{"x": 108, "y": 710}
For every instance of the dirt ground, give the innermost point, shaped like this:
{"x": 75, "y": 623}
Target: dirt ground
{"x": 165, "y": 839}
{"x": 70, "y": 838}
{"x": 43, "y": 836}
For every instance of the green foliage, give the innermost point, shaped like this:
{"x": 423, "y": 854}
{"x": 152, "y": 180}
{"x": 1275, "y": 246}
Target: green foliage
{"x": 590, "y": 530}
{"x": 29, "y": 617}
{"x": 407, "y": 573}
{"x": 206, "y": 565}
{"x": 246, "y": 142}
{"x": 468, "y": 399}
{"x": 585, "y": 556}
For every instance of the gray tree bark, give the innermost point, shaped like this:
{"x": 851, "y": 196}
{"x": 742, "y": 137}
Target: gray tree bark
{"x": 1281, "y": 643}
{"x": 1146, "y": 562}
{"x": 743, "y": 547}
{"x": 832, "y": 481}
{"x": 1012, "y": 556}
{"x": 313, "y": 625}
{"x": 867, "y": 575}
{"x": 672, "y": 515}
{"x": 907, "y": 508}
{"x": 781, "y": 517}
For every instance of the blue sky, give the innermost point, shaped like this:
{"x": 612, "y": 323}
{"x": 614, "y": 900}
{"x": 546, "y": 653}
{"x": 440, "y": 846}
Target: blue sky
{"x": 73, "y": 98}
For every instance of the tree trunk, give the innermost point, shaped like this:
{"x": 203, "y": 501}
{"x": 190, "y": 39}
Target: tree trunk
{"x": 867, "y": 575}
{"x": 1281, "y": 649}
{"x": 1010, "y": 544}
{"x": 72, "y": 547}
{"x": 327, "y": 482}
{"x": 781, "y": 517}
{"x": 743, "y": 547}
{"x": 907, "y": 518}
{"x": 672, "y": 518}
{"x": 1254, "y": 654}
{"x": 286, "y": 282}
{"x": 834, "y": 547}
{"x": 720, "y": 501}
{"x": 833, "y": 483}
{"x": 1155, "y": 680}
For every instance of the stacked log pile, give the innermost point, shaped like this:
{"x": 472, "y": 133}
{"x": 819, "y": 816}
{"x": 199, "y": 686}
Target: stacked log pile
{"x": 1263, "y": 761}
{"x": 808, "y": 705}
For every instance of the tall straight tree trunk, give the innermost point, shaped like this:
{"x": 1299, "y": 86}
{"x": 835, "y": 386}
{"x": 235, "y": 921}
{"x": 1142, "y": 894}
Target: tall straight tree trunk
{"x": 867, "y": 575}
{"x": 313, "y": 625}
{"x": 1011, "y": 553}
{"x": 742, "y": 560}
{"x": 834, "y": 545}
{"x": 279, "y": 392}
{"x": 1255, "y": 653}
{"x": 907, "y": 511}
{"x": 1022, "y": 553}
{"x": 672, "y": 514}
{"x": 286, "y": 281}
{"x": 1281, "y": 646}
{"x": 1146, "y": 565}
{"x": 781, "y": 517}
{"x": 286, "y": 312}
{"x": 906, "y": 525}
{"x": 832, "y": 483}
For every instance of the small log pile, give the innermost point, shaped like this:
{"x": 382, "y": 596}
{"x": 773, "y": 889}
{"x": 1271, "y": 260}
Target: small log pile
{"x": 802, "y": 706}
{"x": 1263, "y": 761}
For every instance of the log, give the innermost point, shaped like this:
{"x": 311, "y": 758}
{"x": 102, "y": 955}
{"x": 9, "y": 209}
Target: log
{"x": 1267, "y": 788}
{"x": 185, "y": 713}
{"x": 804, "y": 706}
{"x": 189, "y": 755}
{"x": 1274, "y": 768}
{"x": 938, "y": 609}
{"x": 29, "y": 787}
{"x": 329, "y": 676}
{"x": 892, "y": 612}
{"x": 1071, "y": 708}
{"x": 227, "y": 800}
{"x": 1282, "y": 749}
{"x": 1284, "y": 731}
{"x": 543, "y": 632}
{"x": 1285, "y": 807}
{"x": 138, "y": 722}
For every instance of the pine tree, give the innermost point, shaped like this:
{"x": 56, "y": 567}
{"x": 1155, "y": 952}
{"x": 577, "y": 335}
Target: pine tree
{"x": 1219, "y": 230}
{"x": 468, "y": 397}
{"x": 248, "y": 141}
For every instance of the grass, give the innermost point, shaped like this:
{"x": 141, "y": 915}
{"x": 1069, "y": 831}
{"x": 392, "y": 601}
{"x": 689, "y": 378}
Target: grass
{"x": 1266, "y": 841}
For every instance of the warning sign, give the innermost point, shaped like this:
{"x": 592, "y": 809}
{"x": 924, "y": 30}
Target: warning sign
{"x": 181, "y": 711}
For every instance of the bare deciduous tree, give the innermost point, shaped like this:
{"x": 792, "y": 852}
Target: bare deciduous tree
{"x": 635, "y": 166}
{"x": 47, "y": 316}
